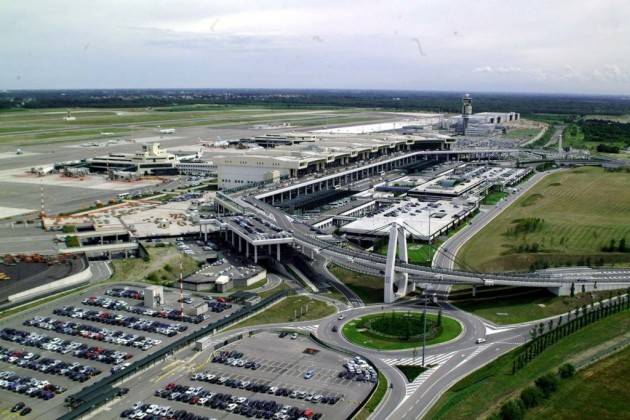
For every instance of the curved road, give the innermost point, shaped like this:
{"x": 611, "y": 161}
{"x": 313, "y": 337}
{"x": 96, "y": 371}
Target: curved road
{"x": 445, "y": 255}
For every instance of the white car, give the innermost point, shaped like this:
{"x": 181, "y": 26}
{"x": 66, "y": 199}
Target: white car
{"x": 340, "y": 317}
{"x": 480, "y": 340}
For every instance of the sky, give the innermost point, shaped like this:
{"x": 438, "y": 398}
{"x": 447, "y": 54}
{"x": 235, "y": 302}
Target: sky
{"x": 559, "y": 46}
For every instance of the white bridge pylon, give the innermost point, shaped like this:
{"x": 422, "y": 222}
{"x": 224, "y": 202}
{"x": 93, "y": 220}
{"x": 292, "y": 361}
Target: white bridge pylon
{"x": 397, "y": 242}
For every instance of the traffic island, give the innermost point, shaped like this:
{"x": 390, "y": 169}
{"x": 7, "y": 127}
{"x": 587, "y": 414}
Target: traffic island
{"x": 398, "y": 330}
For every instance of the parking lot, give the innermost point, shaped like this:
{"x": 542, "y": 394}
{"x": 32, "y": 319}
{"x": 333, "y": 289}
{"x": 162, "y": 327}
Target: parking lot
{"x": 54, "y": 350}
{"x": 262, "y": 376}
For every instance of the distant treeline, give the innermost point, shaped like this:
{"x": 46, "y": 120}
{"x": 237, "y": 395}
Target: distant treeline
{"x": 526, "y": 104}
{"x": 603, "y": 131}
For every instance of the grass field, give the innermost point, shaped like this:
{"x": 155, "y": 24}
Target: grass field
{"x": 335, "y": 294}
{"x": 511, "y": 305}
{"x": 411, "y": 372}
{"x": 574, "y": 137}
{"x": 417, "y": 253}
{"x": 369, "y": 288}
{"x": 48, "y": 126}
{"x": 282, "y": 286}
{"x": 593, "y": 393}
{"x": 351, "y": 331}
{"x": 494, "y": 197}
{"x": 523, "y": 133}
{"x": 285, "y": 310}
{"x": 580, "y": 211}
{"x": 481, "y": 393}
{"x": 375, "y": 399}
{"x": 162, "y": 267}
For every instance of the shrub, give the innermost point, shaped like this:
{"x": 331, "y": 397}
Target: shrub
{"x": 531, "y": 396}
{"x": 566, "y": 371}
{"x": 512, "y": 410}
{"x": 72, "y": 241}
{"x": 548, "y": 384}
{"x": 152, "y": 277}
{"x": 168, "y": 268}
{"x": 69, "y": 228}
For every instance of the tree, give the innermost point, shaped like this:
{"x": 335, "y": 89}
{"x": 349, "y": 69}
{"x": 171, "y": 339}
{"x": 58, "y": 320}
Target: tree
{"x": 622, "y": 245}
{"x": 548, "y": 384}
{"x": 513, "y": 410}
{"x": 612, "y": 245}
{"x": 531, "y": 396}
{"x": 566, "y": 371}
{"x": 439, "y": 318}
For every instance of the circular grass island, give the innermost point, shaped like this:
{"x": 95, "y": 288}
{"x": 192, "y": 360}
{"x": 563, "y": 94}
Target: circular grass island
{"x": 400, "y": 330}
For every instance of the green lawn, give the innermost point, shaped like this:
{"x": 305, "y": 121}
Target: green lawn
{"x": 48, "y": 125}
{"x": 417, "y": 253}
{"x": 259, "y": 283}
{"x": 573, "y": 137}
{"x": 335, "y": 294}
{"x": 494, "y": 197}
{"x": 353, "y": 333}
{"x": 599, "y": 391}
{"x": 511, "y": 305}
{"x": 162, "y": 267}
{"x": 581, "y": 210}
{"x": 481, "y": 393}
{"x": 376, "y": 398}
{"x": 369, "y": 288}
{"x": 285, "y": 310}
{"x": 282, "y": 286}
{"x": 411, "y": 372}
{"x": 523, "y": 133}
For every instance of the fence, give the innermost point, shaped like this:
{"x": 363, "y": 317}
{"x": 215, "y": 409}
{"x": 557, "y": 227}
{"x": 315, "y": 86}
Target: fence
{"x": 589, "y": 314}
{"x": 94, "y": 395}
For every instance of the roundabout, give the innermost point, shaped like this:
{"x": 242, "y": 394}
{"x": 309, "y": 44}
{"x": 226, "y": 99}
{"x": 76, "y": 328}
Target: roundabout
{"x": 401, "y": 330}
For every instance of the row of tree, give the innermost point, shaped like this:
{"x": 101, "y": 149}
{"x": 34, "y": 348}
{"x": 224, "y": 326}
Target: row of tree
{"x": 532, "y": 396}
{"x": 613, "y": 247}
{"x": 565, "y": 325}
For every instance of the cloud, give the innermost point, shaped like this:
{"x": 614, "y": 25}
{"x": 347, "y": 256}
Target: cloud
{"x": 457, "y": 45}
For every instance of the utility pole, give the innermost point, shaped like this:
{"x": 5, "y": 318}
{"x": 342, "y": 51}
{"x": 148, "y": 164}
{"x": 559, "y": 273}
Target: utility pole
{"x": 424, "y": 328}
{"x": 181, "y": 286}
{"x": 42, "y": 212}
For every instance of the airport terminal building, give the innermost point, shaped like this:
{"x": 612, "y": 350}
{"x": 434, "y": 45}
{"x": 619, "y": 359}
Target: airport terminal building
{"x": 151, "y": 160}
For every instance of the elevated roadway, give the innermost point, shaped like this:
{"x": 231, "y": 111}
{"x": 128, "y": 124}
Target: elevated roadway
{"x": 310, "y": 244}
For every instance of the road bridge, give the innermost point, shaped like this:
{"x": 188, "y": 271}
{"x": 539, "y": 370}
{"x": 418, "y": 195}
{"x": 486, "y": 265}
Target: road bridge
{"x": 310, "y": 244}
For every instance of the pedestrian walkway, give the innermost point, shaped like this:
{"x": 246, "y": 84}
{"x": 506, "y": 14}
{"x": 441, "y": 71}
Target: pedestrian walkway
{"x": 310, "y": 328}
{"x": 434, "y": 359}
{"x": 413, "y": 386}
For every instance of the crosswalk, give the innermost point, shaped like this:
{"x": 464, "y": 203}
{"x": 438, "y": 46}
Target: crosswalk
{"x": 478, "y": 350}
{"x": 434, "y": 359}
{"x": 411, "y": 387}
{"x": 310, "y": 328}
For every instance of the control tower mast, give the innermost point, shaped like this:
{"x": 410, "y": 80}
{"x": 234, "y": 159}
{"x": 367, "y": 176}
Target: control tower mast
{"x": 466, "y": 111}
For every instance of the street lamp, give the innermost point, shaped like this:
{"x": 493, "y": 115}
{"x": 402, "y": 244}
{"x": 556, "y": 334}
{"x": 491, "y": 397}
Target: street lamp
{"x": 424, "y": 327}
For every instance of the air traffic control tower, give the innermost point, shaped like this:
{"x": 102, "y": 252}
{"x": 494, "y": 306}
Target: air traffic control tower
{"x": 466, "y": 112}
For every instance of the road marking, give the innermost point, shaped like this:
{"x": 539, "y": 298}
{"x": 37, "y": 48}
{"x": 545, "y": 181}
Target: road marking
{"x": 413, "y": 386}
{"x": 311, "y": 328}
{"x": 417, "y": 361}
{"x": 473, "y": 354}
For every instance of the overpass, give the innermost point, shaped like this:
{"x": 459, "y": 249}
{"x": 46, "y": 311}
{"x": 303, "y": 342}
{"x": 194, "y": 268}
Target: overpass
{"x": 310, "y": 243}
